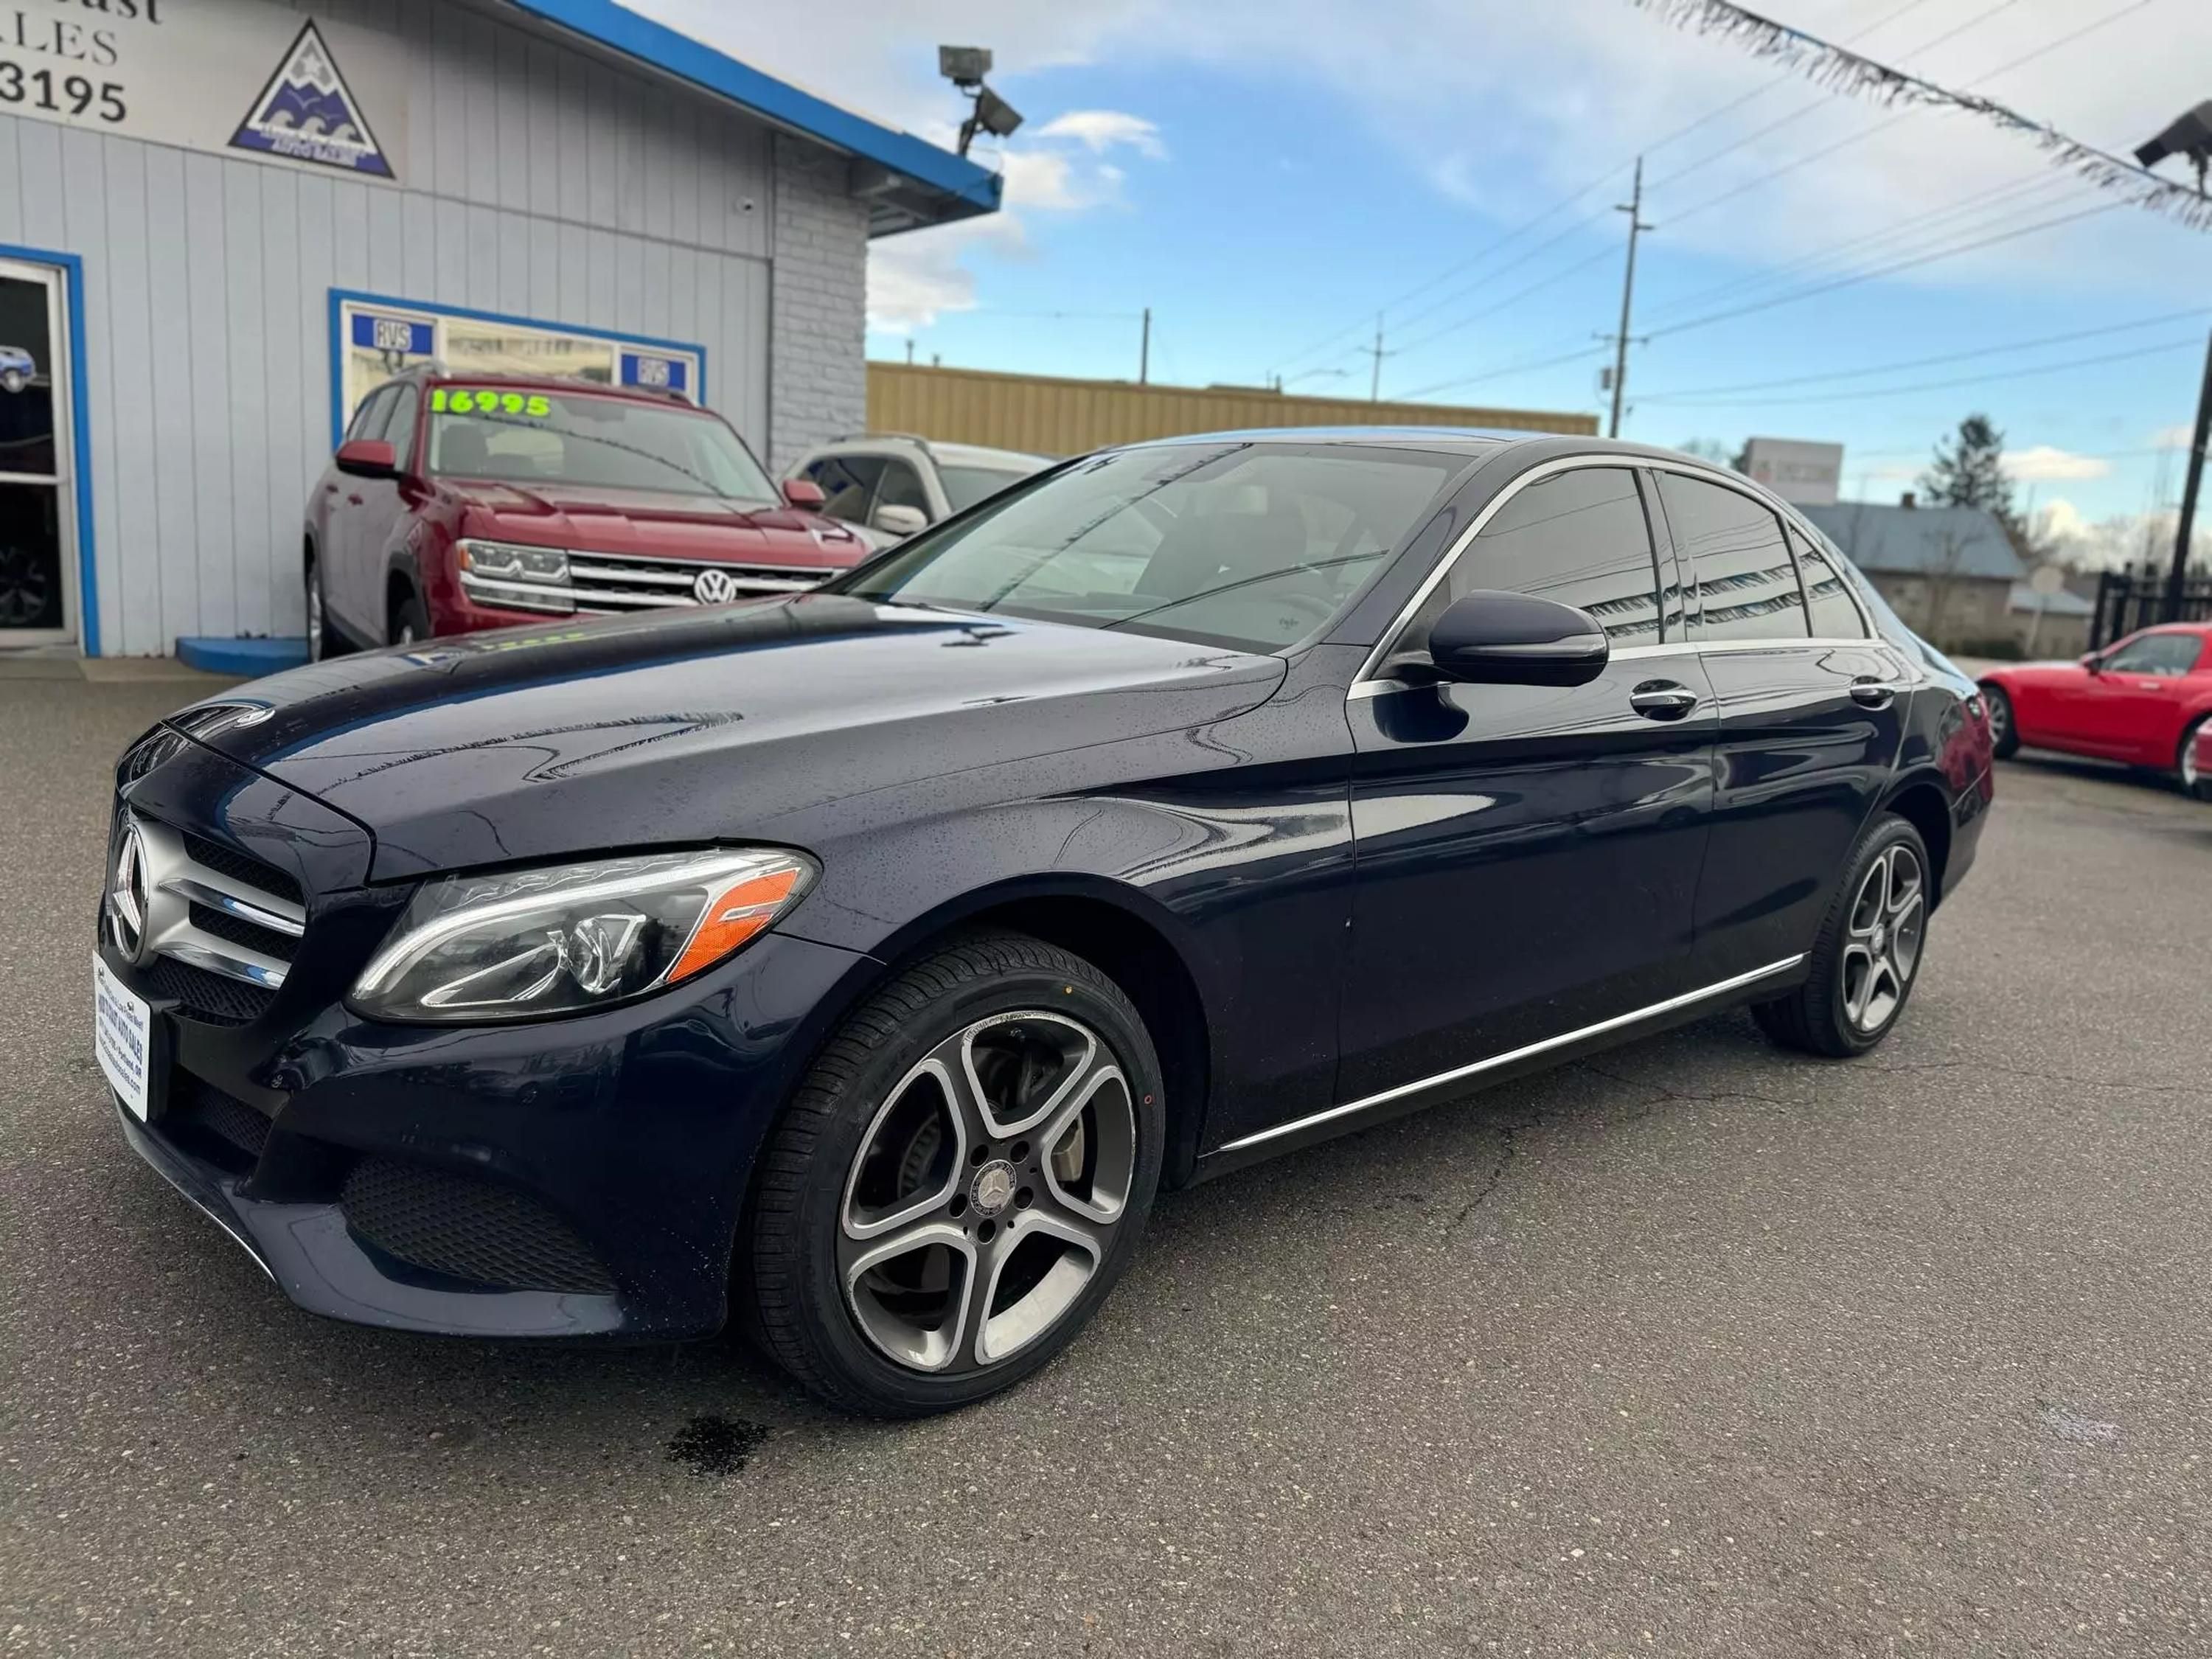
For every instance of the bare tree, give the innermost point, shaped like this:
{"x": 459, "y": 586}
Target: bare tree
{"x": 1951, "y": 546}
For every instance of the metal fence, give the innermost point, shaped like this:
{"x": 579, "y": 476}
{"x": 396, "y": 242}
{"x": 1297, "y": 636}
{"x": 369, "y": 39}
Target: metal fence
{"x": 2127, "y": 600}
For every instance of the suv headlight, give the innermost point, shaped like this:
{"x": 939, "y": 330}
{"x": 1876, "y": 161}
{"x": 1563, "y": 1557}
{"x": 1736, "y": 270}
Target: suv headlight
{"x": 569, "y": 938}
{"x": 516, "y": 577}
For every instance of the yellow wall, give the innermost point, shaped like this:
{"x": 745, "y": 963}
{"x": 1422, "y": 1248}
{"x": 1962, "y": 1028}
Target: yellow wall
{"x": 1053, "y": 416}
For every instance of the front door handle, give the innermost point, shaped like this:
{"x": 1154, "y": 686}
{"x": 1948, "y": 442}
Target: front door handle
{"x": 1870, "y": 693}
{"x": 1662, "y": 700}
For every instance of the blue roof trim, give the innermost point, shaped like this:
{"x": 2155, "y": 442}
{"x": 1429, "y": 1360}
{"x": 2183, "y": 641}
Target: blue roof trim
{"x": 973, "y": 189}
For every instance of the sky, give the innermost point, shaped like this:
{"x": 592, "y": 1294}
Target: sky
{"x": 1268, "y": 175}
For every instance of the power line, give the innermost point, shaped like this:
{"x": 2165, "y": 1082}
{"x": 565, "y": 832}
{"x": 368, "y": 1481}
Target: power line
{"x": 1501, "y": 372}
{"x": 1792, "y": 297}
{"x": 1691, "y": 393}
{"x": 2190, "y": 344}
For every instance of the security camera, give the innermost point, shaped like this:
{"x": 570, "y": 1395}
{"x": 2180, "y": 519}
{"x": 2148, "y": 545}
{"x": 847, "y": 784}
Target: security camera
{"x": 964, "y": 66}
{"x": 996, "y": 115}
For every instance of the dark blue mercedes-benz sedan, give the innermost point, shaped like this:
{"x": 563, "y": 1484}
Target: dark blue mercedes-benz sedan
{"x": 859, "y": 964}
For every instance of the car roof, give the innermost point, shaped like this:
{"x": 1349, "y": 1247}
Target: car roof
{"x": 1471, "y": 442}
{"x": 984, "y": 455}
{"x": 435, "y": 374}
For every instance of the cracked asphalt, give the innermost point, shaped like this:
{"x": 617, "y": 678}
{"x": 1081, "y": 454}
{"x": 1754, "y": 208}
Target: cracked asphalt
{"x": 1696, "y": 1350}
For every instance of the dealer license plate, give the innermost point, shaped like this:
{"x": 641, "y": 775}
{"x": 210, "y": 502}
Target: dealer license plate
{"x": 121, "y": 1037}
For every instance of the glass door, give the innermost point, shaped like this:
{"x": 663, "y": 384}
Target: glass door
{"x": 38, "y": 496}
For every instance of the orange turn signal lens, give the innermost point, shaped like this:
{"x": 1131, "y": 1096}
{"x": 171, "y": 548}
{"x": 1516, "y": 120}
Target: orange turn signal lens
{"x": 736, "y": 914}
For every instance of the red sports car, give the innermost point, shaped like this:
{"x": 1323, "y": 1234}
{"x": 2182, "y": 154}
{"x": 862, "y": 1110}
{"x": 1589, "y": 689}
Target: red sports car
{"x": 2147, "y": 700}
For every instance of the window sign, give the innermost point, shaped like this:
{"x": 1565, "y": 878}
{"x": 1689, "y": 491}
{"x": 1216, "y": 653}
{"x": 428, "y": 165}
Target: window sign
{"x": 654, "y": 373}
{"x": 380, "y": 338}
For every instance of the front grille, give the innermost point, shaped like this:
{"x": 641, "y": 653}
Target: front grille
{"x": 240, "y": 867}
{"x": 467, "y": 1229}
{"x": 610, "y": 582}
{"x": 208, "y": 999}
{"x": 239, "y": 931}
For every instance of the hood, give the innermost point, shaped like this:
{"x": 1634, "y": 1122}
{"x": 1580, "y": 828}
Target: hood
{"x": 713, "y": 725}
{"x": 653, "y": 524}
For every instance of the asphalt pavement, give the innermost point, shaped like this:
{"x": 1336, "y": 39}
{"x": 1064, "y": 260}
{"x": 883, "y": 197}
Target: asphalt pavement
{"x": 1697, "y": 1350}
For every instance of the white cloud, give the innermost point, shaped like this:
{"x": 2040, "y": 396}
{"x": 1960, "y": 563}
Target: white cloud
{"x": 1098, "y": 130}
{"x": 2044, "y": 464}
{"x": 2172, "y": 437}
{"x": 1514, "y": 106}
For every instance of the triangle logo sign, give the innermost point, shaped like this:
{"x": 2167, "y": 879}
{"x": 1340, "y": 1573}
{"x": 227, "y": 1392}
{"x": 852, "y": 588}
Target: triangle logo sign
{"x": 306, "y": 112}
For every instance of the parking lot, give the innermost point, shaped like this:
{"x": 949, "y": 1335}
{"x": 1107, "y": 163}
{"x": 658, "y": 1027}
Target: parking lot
{"x": 1698, "y": 1349}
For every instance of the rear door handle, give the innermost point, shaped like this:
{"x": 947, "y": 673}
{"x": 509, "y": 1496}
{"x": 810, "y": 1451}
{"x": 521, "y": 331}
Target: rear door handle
{"x": 1870, "y": 693}
{"x": 1662, "y": 700}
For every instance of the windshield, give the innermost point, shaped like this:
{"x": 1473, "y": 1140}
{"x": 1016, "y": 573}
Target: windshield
{"x": 964, "y": 486}
{"x": 606, "y": 443}
{"x": 1246, "y": 545}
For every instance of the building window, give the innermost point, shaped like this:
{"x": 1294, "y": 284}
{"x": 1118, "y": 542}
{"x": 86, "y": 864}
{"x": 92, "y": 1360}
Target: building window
{"x": 377, "y": 339}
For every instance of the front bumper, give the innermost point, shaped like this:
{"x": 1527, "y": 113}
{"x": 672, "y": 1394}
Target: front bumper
{"x": 578, "y": 1177}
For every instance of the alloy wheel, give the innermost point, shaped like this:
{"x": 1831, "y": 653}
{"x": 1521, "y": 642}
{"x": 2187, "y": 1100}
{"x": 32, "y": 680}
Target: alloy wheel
{"x": 314, "y": 615}
{"x": 987, "y": 1191}
{"x": 2000, "y": 708}
{"x": 1881, "y": 939}
{"x": 2191, "y": 775}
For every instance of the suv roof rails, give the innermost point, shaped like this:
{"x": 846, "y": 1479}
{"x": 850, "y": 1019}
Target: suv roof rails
{"x": 903, "y": 437}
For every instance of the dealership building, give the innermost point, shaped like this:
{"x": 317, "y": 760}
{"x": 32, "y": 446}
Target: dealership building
{"x": 223, "y": 221}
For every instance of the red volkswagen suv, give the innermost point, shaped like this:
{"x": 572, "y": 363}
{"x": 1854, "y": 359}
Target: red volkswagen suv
{"x": 458, "y": 502}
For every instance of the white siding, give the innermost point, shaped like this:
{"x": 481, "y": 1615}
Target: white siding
{"x": 535, "y": 181}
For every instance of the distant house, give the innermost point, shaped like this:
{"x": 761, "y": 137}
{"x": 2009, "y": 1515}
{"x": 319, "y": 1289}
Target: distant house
{"x": 2050, "y": 624}
{"x": 1947, "y": 571}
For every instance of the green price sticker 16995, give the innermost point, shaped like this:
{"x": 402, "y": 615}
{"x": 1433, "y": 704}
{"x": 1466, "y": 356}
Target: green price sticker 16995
{"x": 461, "y": 400}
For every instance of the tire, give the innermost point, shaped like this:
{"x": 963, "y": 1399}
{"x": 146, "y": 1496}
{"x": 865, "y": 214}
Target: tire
{"x": 2003, "y": 728}
{"x": 2193, "y": 782}
{"x": 837, "y": 1285}
{"x": 410, "y": 625}
{"x": 12, "y": 381}
{"x": 325, "y": 640}
{"x": 1862, "y": 972}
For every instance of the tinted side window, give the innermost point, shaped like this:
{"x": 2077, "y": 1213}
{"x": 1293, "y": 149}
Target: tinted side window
{"x": 901, "y": 487}
{"x": 1578, "y": 538}
{"x": 2155, "y": 653}
{"x": 399, "y": 431}
{"x": 368, "y": 420}
{"x": 1827, "y": 590}
{"x": 848, "y": 481}
{"x": 1745, "y": 582}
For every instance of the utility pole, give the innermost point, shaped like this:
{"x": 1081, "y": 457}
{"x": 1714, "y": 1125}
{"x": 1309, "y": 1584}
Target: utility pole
{"x": 1374, "y": 381}
{"x": 1634, "y": 208}
{"x": 1144, "y": 349}
{"x": 2174, "y": 577}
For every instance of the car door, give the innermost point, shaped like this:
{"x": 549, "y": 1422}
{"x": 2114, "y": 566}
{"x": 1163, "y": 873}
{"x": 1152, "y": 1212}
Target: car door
{"x": 2131, "y": 708}
{"x": 344, "y": 586}
{"x": 377, "y": 518}
{"x": 1810, "y": 719}
{"x": 1527, "y": 857}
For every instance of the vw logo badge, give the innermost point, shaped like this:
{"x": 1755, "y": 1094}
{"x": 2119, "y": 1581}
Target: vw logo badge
{"x": 714, "y": 586}
{"x": 127, "y": 895}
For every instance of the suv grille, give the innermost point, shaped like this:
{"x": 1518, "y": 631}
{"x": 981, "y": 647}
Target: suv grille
{"x": 468, "y": 1229}
{"x": 609, "y": 582}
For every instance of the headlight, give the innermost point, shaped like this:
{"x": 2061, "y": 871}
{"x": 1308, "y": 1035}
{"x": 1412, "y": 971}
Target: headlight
{"x": 560, "y": 940}
{"x": 516, "y": 577}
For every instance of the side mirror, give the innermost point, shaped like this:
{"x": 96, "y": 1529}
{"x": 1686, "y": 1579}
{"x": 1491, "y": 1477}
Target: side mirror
{"x": 2093, "y": 661}
{"x": 900, "y": 521}
{"x": 1511, "y": 639}
{"x": 804, "y": 492}
{"x": 368, "y": 458}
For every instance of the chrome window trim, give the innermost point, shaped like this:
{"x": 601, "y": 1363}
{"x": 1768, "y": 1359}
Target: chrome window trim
{"x": 1788, "y": 520}
{"x": 1369, "y": 684}
{"x": 1527, "y": 1051}
{"x": 1452, "y": 555}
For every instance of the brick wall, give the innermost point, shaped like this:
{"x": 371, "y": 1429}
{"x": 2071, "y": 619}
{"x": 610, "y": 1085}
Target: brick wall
{"x": 817, "y": 380}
